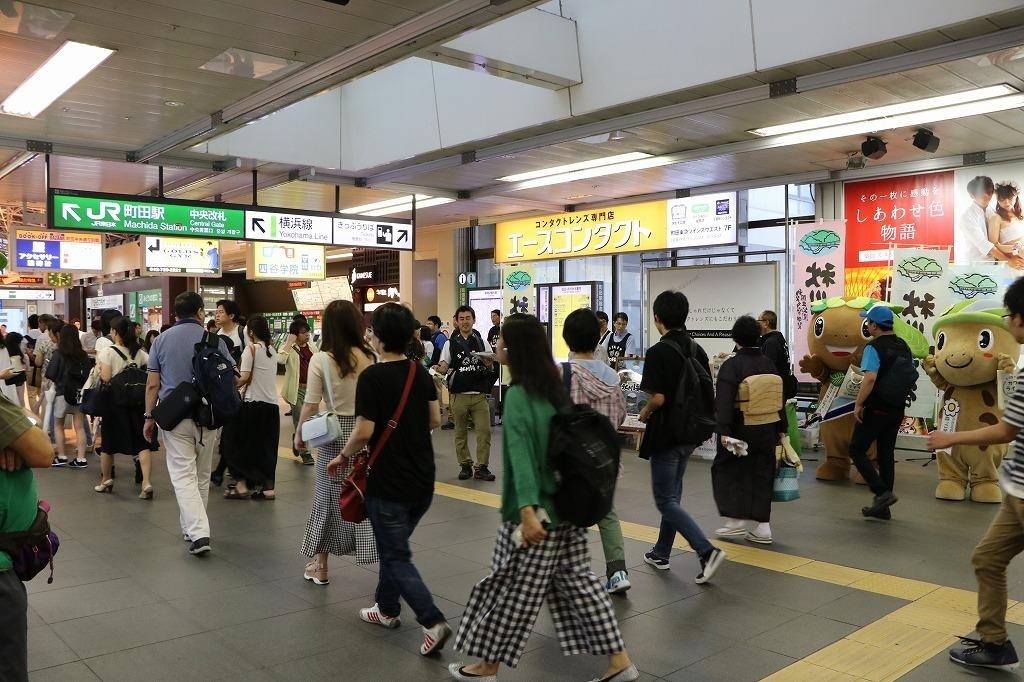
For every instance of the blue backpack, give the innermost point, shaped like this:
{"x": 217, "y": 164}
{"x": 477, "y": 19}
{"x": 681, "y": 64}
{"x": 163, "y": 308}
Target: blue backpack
{"x": 214, "y": 377}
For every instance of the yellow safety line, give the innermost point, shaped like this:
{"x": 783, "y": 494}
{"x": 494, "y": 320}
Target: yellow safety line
{"x": 881, "y": 651}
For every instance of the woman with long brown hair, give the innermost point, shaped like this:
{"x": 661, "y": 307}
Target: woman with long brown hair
{"x": 331, "y": 378}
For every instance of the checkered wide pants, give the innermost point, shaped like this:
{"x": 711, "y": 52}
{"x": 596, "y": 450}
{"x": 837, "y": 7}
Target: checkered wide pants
{"x": 504, "y": 606}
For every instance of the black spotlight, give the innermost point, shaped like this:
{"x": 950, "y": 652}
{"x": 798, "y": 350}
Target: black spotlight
{"x": 926, "y": 140}
{"x": 873, "y": 148}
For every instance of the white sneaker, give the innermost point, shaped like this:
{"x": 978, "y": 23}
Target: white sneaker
{"x": 373, "y": 615}
{"x": 434, "y": 638}
{"x": 727, "y": 532}
{"x": 751, "y": 536}
{"x": 625, "y": 675}
{"x": 618, "y": 583}
{"x": 455, "y": 670}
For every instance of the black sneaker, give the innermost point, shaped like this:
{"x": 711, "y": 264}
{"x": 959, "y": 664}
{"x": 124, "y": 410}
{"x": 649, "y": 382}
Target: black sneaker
{"x": 59, "y": 462}
{"x": 709, "y": 564}
{"x": 881, "y": 503}
{"x": 974, "y": 652}
{"x": 482, "y": 473}
{"x": 447, "y": 426}
{"x": 200, "y": 546}
{"x": 307, "y": 459}
{"x": 466, "y": 473}
{"x": 656, "y": 561}
{"x": 78, "y": 464}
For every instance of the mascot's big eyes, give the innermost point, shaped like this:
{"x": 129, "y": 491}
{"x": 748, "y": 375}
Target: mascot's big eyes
{"x": 819, "y": 327}
{"x": 864, "y": 330}
{"x": 985, "y": 339}
{"x": 941, "y": 341}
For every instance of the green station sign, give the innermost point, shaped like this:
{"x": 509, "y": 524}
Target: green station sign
{"x": 139, "y": 215}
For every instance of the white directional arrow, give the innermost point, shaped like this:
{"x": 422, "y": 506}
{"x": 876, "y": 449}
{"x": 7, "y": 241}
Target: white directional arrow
{"x": 69, "y": 210}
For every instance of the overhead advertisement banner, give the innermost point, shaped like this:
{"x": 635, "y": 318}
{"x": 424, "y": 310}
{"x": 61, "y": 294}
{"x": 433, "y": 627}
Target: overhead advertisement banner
{"x": 26, "y": 294}
{"x": 706, "y": 220}
{"x": 818, "y": 273}
{"x": 289, "y": 227}
{"x": 176, "y": 256}
{"x": 114, "y": 213}
{"x": 372, "y": 234}
{"x": 56, "y": 250}
{"x": 268, "y": 260}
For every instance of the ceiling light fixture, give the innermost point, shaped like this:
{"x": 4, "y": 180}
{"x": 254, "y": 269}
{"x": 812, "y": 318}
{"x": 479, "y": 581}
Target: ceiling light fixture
{"x": 574, "y": 167}
{"x": 914, "y": 106}
{"x": 617, "y": 135}
{"x": 339, "y": 256}
{"x": 69, "y": 64}
{"x": 16, "y": 162}
{"x": 405, "y": 208}
{"x": 364, "y": 209}
{"x": 639, "y": 164}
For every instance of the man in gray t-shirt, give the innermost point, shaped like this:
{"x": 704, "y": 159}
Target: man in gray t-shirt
{"x": 189, "y": 447}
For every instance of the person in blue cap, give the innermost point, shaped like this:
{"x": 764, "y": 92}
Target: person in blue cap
{"x": 879, "y": 408}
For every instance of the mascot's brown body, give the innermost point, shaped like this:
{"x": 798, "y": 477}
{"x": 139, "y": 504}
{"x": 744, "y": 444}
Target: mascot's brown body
{"x": 971, "y": 344}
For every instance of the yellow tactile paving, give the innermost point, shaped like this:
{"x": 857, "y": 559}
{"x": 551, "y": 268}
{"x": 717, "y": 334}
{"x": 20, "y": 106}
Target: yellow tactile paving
{"x": 882, "y": 651}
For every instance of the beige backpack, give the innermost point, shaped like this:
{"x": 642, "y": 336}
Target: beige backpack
{"x": 759, "y": 399}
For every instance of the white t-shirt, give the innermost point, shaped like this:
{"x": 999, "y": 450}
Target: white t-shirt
{"x": 973, "y": 228}
{"x": 102, "y": 344}
{"x": 263, "y": 383}
{"x": 116, "y": 363}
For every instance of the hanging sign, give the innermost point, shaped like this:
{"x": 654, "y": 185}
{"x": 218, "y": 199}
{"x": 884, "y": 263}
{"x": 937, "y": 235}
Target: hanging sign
{"x": 117, "y": 213}
{"x": 150, "y": 298}
{"x": 26, "y": 294}
{"x": 288, "y": 227}
{"x": 177, "y": 256}
{"x": 818, "y": 273}
{"x": 372, "y": 234}
{"x": 268, "y": 260}
{"x": 920, "y": 280}
{"x": 57, "y": 250}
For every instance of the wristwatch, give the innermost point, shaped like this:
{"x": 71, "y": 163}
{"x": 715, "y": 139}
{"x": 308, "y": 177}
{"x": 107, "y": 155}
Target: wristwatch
{"x": 147, "y": 415}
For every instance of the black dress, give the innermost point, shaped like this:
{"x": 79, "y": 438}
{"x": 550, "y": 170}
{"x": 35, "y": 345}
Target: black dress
{"x": 121, "y": 428}
{"x": 743, "y": 485}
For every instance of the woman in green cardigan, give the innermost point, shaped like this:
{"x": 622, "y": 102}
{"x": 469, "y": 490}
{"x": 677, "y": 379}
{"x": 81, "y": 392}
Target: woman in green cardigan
{"x": 537, "y": 558}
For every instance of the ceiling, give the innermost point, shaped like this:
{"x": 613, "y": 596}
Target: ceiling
{"x": 713, "y": 140}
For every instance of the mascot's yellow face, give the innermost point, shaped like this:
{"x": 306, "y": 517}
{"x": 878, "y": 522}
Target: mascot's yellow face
{"x": 837, "y": 336}
{"x": 967, "y": 353}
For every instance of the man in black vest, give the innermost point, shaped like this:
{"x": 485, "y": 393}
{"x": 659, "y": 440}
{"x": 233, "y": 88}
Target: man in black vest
{"x": 773, "y": 345}
{"x": 470, "y": 379}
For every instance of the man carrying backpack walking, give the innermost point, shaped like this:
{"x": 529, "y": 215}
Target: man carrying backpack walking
{"x": 889, "y": 375}
{"x": 189, "y": 446}
{"x": 670, "y": 438}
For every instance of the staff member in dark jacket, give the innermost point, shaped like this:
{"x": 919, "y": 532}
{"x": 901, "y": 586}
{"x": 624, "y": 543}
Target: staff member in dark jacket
{"x": 743, "y": 484}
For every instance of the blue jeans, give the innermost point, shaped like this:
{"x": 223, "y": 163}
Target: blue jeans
{"x": 393, "y": 523}
{"x": 667, "y": 469}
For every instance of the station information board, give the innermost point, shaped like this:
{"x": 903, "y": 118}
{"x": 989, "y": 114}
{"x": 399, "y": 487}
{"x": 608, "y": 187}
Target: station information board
{"x": 26, "y": 294}
{"x": 95, "y": 212}
{"x": 176, "y": 256}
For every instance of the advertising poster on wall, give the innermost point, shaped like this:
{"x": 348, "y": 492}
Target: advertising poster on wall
{"x": 819, "y": 264}
{"x": 176, "y": 256}
{"x": 518, "y": 293}
{"x": 268, "y": 260}
{"x": 564, "y": 300}
{"x": 906, "y": 211}
{"x": 55, "y": 250}
{"x": 985, "y": 220}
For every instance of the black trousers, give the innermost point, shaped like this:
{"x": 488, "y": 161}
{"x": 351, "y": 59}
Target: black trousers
{"x": 13, "y": 629}
{"x": 881, "y": 428}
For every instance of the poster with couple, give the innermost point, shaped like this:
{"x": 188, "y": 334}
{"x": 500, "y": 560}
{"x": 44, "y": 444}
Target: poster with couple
{"x": 989, "y": 219}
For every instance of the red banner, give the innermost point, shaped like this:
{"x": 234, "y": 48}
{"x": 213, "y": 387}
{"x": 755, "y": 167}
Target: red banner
{"x": 907, "y": 211}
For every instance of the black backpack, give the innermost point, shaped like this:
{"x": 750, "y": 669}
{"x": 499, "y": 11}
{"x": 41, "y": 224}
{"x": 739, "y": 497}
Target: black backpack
{"x": 897, "y": 375}
{"x": 691, "y": 416}
{"x": 214, "y": 379}
{"x": 129, "y": 385}
{"x": 76, "y": 372}
{"x": 583, "y": 450}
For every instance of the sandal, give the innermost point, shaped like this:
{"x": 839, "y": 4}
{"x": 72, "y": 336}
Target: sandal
{"x": 233, "y": 494}
{"x": 260, "y": 494}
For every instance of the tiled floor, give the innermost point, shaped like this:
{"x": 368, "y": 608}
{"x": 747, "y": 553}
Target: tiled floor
{"x": 129, "y": 603}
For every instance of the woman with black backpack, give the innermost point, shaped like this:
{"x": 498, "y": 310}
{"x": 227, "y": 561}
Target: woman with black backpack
{"x": 68, "y": 369}
{"x": 536, "y": 558}
{"x": 122, "y": 424}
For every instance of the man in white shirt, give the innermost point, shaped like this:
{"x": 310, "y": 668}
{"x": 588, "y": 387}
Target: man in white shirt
{"x": 973, "y": 227}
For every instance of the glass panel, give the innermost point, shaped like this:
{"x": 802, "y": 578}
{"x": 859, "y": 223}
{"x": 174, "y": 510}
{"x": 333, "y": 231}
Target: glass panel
{"x": 237, "y": 62}
{"x": 763, "y": 238}
{"x": 487, "y": 273}
{"x": 545, "y": 272}
{"x": 801, "y": 200}
{"x": 483, "y": 237}
{"x": 630, "y": 293}
{"x": 766, "y": 203}
{"x": 595, "y": 268}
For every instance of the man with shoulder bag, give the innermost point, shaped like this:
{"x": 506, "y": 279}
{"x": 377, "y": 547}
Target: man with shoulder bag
{"x": 189, "y": 444}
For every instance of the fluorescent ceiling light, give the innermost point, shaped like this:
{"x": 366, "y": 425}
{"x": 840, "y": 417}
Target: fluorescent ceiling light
{"x": 919, "y": 105}
{"x": 16, "y": 162}
{"x": 639, "y": 164}
{"x": 988, "y": 106}
{"x": 569, "y": 168}
{"x": 405, "y": 208}
{"x": 69, "y": 64}
{"x": 339, "y": 256}
{"x": 237, "y": 270}
{"x": 365, "y": 208}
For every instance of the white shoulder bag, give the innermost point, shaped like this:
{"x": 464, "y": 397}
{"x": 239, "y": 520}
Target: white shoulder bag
{"x": 323, "y": 427}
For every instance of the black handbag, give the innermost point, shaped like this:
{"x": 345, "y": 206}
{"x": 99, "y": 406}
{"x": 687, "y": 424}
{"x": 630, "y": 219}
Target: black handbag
{"x": 17, "y": 380}
{"x": 183, "y": 403}
{"x": 96, "y": 400}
